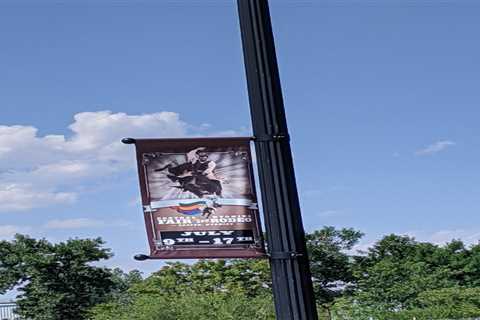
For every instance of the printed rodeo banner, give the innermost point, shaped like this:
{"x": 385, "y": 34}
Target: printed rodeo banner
{"x": 199, "y": 199}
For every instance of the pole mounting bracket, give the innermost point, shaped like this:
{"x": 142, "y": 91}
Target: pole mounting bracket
{"x": 285, "y": 255}
{"x": 277, "y": 137}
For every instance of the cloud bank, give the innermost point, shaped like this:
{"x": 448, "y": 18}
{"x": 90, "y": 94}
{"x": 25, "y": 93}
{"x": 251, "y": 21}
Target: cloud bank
{"x": 37, "y": 171}
{"x": 8, "y": 231}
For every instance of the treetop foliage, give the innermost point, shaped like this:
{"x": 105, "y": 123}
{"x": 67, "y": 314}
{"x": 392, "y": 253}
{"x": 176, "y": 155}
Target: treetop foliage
{"x": 398, "y": 278}
{"x": 55, "y": 281}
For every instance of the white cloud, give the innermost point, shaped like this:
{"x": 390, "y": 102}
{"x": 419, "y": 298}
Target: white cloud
{"x": 440, "y": 237}
{"x": 35, "y": 167}
{"x": 101, "y": 132}
{"x": 313, "y": 193}
{"x": 362, "y": 247}
{"x": 135, "y": 202}
{"x": 21, "y": 197}
{"x": 436, "y": 147}
{"x": 78, "y": 223}
{"x": 323, "y": 191}
{"x": 8, "y": 231}
{"x": 328, "y": 213}
{"x": 242, "y": 132}
{"x": 83, "y": 223}
{"x": 95, "y": 136}
{"x": 468, "y": 236}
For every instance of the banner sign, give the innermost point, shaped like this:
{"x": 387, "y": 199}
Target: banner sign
{"x": 198, "y": 198}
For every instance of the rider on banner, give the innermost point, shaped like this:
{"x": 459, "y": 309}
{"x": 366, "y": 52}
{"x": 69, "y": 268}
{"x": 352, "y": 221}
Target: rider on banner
{"x": 196, "y": 175}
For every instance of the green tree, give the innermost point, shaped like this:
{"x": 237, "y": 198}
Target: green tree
{"x": 330, "y": 263}
{"x": 208, "y": 289}
{"x": 448, "y": 303}
{"x": 56, "y": 281}
{"x": 397, "y": 270}
{"x": 232, "y": 289}
{"x": 122, "y": 282}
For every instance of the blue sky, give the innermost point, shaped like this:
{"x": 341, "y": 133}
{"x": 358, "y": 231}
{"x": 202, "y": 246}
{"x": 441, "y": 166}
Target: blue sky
{"x": 382, "y": 99}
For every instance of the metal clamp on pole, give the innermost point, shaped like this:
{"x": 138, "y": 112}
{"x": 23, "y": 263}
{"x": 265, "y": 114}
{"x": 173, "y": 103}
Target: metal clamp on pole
{"x": 287, "y": 255}
{"x": 279, "y": 137}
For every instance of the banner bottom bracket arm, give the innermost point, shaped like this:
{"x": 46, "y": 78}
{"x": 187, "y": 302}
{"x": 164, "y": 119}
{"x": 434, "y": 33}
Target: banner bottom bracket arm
{"x": 284, "y": 255}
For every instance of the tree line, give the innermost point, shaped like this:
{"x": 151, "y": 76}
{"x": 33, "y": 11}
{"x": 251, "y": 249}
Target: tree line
{"x": 396, "y": 278}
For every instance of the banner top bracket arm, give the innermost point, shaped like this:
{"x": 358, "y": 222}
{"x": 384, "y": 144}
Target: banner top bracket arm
{"x": 129, "y": 141}
{"x": 276, "y": 137}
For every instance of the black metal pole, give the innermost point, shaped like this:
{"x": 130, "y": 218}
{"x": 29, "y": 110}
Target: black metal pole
{"x": 292, "y": 283}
